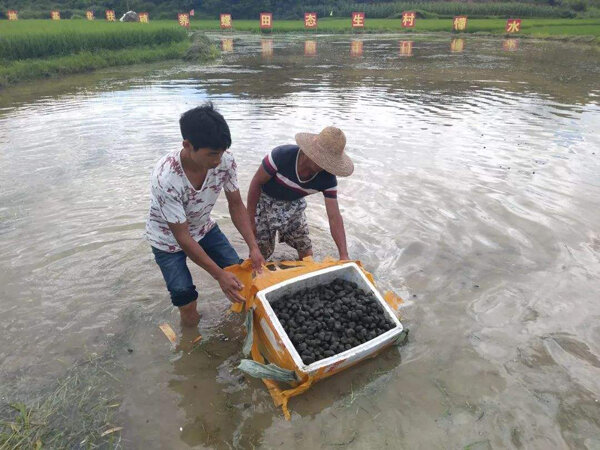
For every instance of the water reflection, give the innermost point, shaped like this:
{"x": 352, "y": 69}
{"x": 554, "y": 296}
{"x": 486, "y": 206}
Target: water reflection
{"x": 457, "y": 45}
{"x": 266, "y": 46}
{"x": 310, "y": 48}
{"x": 356, "y": 48}
{"x": 406, "y": 48}
{"x": 227, "y": 45}
{"x": 510, "y": 45}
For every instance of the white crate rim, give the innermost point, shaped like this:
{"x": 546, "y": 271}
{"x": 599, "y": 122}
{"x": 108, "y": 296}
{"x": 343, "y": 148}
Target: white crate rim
{"x": 261, "y": 295}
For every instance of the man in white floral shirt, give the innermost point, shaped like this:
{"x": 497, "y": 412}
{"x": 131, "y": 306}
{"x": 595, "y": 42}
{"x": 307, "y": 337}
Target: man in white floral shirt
{"x": 185, "y": 185}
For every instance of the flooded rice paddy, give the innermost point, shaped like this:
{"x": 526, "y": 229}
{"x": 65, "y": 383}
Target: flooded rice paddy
{"x": 476, "y": 197}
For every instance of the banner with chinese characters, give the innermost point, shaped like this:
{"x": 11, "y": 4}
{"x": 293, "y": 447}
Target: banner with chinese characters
{"x": 55, "y": 15}
{"x": 406, "y": 48}
{"x": 144, "y": 17}
{"x": 266, "y": 21}
{"x": 89, "y": 15}
{"x": 513, "y": 25}
{"x": 183, "y": 19}
{"x": 510, "y": 45}
{"x": 225, "y": 21}
{"x": 310, "y": 48}
{"x": 266, "y": 46}
{"x": 227, "y": 45}
{"x": 110, "y": 15}
{"x": 457, "y": 45}
{"x": 310, "y": 20}
{"x": 358, "y": 20}
{"x": 408, "y": 19}
{"x": 12, "y": 14}
{"x": 459, "y": 23}
{"x": 356, "y": 48}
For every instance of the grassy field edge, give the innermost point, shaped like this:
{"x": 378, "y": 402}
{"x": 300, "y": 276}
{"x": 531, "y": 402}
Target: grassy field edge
{"x": 531, "y": 27}
{"x": 31, "y": 69}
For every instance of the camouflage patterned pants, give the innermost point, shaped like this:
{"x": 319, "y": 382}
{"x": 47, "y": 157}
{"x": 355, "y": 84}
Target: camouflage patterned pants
{"x": 284, "y": 217}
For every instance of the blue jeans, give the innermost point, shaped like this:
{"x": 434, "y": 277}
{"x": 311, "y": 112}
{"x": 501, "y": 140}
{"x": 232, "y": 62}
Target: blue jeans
{"x": 176, "y": 273}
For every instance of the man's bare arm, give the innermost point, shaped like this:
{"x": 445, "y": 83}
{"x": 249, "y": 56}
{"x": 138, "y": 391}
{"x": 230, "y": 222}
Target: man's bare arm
{"x": 260, "y": 177}
{"x": 241, "y": 220}
{"x": 336, "y": 226}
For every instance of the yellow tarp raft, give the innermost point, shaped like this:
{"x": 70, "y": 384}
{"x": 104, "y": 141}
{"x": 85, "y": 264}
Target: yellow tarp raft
{"x": 265, "y": 344}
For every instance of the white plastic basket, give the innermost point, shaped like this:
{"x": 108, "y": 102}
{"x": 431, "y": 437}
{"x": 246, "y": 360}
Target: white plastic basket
{"x": 348, "y": 272}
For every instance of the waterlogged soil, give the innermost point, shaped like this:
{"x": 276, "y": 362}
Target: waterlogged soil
{"x": 476, "y": 197}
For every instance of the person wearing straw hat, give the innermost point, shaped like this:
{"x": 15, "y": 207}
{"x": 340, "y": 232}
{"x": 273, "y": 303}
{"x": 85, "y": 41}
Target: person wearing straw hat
{"x": 276, "y": 203}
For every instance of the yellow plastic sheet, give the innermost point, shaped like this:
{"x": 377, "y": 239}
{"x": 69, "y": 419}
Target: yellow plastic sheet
{"x": 262, "y": 348}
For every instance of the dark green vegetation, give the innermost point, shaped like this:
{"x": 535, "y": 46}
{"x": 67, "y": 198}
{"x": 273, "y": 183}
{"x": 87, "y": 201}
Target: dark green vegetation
{"x": 43, "y": 38}
{"x": 31, "y": 49}
{"x": 86, "y": 61}
{"x": 329, "y": 319}
{"x": 75, "y": 9}
{"x": 294, "y": 9}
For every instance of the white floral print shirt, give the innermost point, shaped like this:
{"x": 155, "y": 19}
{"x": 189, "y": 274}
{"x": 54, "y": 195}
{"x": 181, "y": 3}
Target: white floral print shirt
{"x": 174, "y": 199}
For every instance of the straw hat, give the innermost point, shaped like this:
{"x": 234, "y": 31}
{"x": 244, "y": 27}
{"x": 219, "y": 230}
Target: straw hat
{"x": 327, "y": 150}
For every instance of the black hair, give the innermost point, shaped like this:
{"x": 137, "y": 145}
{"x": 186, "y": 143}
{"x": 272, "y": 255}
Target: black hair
{"x": 204, "y": 127}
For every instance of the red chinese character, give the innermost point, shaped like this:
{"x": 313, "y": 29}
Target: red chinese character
{"x": 358, "y": 20}
{"x": 266, "y": 21}
{"x": 459, "y": 23}
{"x": 225, "y": 21}
{"x": 183, "y": 19}
{"x": 310, "y": 20}
{"x": 144, "y": 17}
{"x": 110, "y": 15}
{"x": 513, "y": 25}
{"x": 55, "y": 15}
{"x": 408, "y": 19}
{"x": 89, "y": 15}
{"x": 12, "y": 15}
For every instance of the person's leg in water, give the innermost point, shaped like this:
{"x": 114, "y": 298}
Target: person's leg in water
{"x": 179, "y": 280}
{"x": 179, "y": 284}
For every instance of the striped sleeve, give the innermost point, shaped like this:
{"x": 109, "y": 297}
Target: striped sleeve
{"x": 331, "y": 192}
{"x": 269, "y": 164}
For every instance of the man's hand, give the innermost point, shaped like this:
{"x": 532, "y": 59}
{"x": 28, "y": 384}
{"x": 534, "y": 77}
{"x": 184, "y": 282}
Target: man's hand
{"x": 231, "y": 286}
{"x": 257, "y": 259}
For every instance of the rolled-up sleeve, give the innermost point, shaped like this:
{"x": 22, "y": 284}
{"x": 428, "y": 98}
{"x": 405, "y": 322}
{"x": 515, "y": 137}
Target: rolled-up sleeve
{"x": 231, "y": 180}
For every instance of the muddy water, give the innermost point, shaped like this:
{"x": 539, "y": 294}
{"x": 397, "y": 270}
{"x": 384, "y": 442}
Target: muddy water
{"x": 476, "y": 196}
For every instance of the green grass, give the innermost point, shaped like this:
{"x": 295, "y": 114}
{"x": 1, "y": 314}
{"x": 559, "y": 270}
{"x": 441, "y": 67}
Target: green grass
{"x": 535, "y": 27}
{"x": 431, "y": 9}
{"x": 31, "y": 49}
{"x": 43, "y": 38}
{"x": 77, "y": 412}
{"x": 86, "y": 61}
